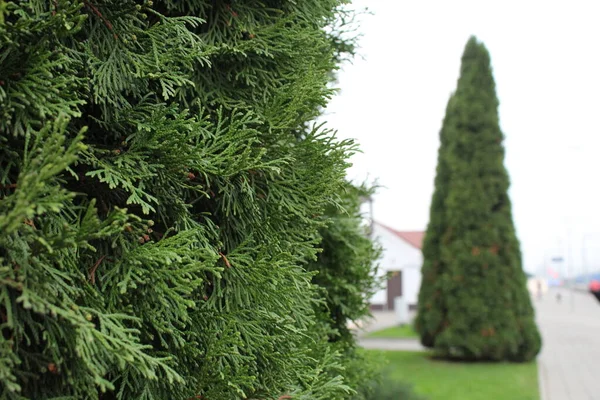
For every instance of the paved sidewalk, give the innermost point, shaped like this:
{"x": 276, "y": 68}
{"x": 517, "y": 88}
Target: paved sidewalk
{"x": 569, "y": 364}
{"x": 391, "y": 344}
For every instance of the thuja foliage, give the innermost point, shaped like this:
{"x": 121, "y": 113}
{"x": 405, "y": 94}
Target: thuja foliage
{"x": 163, "y": 199}
{"x": 345, "y": 263}
{"x": 473, "y": 302}
{"x": 347, "y": 281}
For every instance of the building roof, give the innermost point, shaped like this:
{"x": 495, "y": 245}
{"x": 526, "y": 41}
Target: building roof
{"x": 414, "y": 238}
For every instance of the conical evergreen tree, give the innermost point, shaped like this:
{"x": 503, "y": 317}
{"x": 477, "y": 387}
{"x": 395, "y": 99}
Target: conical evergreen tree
{"x": 162, "y": 196}
{"x": 474, "y": 302}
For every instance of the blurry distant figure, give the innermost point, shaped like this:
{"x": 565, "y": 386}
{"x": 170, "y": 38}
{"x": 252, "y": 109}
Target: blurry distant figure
{"x": 537, "y": 287}
{"x": 558, "y": 297}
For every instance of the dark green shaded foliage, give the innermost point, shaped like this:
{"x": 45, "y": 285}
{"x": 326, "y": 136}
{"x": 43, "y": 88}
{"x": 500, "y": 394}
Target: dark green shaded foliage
{"x": 473, "y": 302}
{"x": 347, "y": 280}
{"x": 160, "y": 194}
{"x": 345, "y": 264}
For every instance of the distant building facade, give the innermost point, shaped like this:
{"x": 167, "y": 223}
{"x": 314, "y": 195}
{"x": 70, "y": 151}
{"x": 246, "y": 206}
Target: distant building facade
{"x": 401, "y": 260}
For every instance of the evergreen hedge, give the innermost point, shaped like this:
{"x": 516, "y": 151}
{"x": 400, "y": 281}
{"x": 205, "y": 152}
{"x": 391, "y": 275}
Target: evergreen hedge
{"x": 163, "y": 199}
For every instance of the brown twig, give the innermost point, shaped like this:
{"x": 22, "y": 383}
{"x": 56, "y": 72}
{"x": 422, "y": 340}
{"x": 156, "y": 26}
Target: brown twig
{"x": 225, "y": 260}
{"x": 53, "y": 369}
{"x": 233, "y": 13}
{"x": 10, "y": 186}
{"x": 102, "y": 17}
{"x": 55, "y": 3}
{"x": 94, "y": 268}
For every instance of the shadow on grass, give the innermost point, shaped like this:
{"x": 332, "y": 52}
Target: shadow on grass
{"x": 390, "y": 388}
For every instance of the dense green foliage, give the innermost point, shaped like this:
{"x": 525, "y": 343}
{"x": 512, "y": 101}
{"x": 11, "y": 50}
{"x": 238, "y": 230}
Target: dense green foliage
{"x": 473, "y": 302}
{"x": 345, "y": 265}
{"x": 347, "y": 280}
{"x": 163, "y": 199}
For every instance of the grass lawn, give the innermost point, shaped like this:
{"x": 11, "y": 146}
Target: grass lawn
{"x": 439, "y": 380}
{"x": 404, "y": 331}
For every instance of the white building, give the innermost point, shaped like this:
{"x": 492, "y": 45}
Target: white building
{"x": 402, "y": 259}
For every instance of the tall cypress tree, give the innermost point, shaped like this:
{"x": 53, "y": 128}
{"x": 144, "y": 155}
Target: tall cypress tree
{"x": 474, "y": 302}
{"x": 162, "y": 196}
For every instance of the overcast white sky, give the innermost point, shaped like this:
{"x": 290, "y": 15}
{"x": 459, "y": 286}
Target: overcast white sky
{"x": 546, "y": 62}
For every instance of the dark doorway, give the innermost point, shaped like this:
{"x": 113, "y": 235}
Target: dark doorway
{"x": 394, "y": 288}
